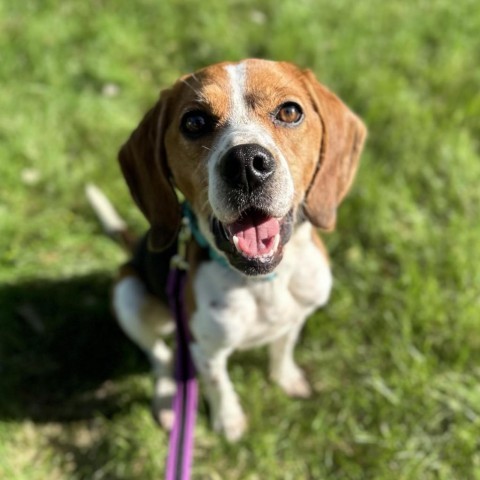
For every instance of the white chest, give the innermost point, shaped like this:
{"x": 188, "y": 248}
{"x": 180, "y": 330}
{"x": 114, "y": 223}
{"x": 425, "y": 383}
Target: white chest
{"x": 237, "y": 312}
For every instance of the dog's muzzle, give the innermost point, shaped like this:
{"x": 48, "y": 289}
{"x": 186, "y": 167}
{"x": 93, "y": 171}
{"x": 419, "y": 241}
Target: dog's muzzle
{"x": 253, "y": 241}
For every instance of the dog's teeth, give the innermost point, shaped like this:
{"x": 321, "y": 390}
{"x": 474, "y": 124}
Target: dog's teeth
{"x": 277, "y": 241}
{"x": 235, "y": 241}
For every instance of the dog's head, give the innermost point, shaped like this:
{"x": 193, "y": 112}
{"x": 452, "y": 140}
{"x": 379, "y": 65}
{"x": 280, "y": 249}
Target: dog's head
{"x": 254, "y": 147}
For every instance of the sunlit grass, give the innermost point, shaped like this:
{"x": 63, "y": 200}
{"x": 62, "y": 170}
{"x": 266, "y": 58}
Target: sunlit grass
{"x": 395, "y": 357}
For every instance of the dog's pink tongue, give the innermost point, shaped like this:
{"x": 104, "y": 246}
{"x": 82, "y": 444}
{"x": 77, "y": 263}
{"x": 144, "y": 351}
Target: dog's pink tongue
{"x": 256, "y": 234}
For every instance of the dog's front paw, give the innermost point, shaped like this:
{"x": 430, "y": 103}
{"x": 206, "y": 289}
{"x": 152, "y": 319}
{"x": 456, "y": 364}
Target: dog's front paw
{"x": 294, "y": 383}
{"x": 164, "y": 416}
{"x": 162, "y": 403}
{"x": 232, "y": 425}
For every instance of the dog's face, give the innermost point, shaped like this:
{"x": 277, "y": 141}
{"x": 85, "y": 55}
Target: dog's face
{"x": 244, "y": 141}
{"x": 252, "y": 146}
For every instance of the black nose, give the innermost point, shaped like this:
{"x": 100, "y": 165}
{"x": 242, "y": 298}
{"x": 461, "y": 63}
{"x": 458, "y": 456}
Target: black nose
{"x": 247, "y": 166}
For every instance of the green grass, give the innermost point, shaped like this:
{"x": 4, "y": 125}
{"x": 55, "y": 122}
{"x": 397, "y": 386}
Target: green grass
{"x": 395, "y": 357}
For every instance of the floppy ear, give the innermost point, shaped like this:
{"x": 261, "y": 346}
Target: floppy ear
{"x": 144, "y": 166}
{"x": 342, "y": 141}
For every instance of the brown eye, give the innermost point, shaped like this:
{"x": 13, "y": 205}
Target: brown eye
{"x": 197, "y": 123}
{"x": 290, "y": 113}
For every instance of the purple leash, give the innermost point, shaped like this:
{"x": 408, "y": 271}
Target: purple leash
{"x": 180, "y": 449}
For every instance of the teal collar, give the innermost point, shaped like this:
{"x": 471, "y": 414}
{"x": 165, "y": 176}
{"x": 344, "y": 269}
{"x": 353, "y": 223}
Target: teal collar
{"x": 199, "y": 238}
{"x": 202, "y": 241}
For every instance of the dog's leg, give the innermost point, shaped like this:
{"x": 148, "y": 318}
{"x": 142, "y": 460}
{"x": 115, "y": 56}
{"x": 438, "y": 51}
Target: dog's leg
{"x": 283, "y": 369}
{"x": 144, "y": 319}
{"x": 227, "y": 414}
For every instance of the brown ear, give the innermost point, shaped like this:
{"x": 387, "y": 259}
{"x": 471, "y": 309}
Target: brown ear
{"x": 342, "y": 141}
{"x": 144, "y": 166}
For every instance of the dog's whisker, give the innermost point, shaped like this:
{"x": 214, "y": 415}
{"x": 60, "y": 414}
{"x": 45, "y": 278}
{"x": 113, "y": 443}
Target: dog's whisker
{"x": 198, "y": 170}
{"x": 197, "y": 92}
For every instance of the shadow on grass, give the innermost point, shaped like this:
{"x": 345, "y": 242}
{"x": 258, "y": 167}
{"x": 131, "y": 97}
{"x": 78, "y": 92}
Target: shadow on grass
{"x": 59, "y": 347}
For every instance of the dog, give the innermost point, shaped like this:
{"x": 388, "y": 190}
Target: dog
{"x": 263, "y": 154}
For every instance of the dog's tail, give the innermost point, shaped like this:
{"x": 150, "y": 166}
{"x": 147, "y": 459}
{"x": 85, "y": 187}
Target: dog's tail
{"x": 113, "y": 225}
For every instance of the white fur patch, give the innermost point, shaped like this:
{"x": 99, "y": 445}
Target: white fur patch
{"x": 235, "y": 312}
{"x": 143, "y": 326}
{"x": 129, "y": 296}
{"x": 237, "y": 75}
{"x": 241, "y": 312}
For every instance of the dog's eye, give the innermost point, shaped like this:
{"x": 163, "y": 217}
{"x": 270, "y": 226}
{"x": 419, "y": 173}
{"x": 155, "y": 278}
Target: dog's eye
{"x": 197, "y": 123}
{"x": 290, "y": 113}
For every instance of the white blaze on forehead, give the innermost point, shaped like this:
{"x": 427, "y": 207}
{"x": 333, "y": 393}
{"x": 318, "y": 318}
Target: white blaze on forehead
{"x": 242, "y": 126}
{"x": 237, "y": 75}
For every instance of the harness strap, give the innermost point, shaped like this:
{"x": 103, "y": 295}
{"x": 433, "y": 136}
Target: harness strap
{"x": 180, "y": 451}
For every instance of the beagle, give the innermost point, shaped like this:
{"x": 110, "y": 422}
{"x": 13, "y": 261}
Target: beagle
{"x": 263, "y": 154}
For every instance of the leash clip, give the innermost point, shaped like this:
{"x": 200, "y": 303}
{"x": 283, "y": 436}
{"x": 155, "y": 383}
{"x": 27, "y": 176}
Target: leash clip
{"x": 179, "y": 260}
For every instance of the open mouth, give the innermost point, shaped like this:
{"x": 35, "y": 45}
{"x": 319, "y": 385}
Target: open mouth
{"x": 255, "y": 235}
{"x": 253, "y": 243}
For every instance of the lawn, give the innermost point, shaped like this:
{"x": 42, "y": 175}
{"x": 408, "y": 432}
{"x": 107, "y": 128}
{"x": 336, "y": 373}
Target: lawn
{"x": 394, "y": 359}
